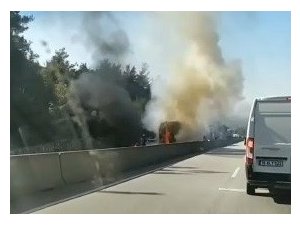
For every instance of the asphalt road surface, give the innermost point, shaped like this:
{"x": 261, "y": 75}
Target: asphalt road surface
{"x": 213, "y": 182}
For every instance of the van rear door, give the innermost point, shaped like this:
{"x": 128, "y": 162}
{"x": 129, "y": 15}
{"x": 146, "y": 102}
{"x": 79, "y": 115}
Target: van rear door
{"x": 272, "y": 136}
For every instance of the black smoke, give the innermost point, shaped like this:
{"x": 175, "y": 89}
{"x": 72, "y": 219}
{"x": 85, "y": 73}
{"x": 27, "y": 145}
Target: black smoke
{"x": 104, "y": 36}
{"x": 104, "y": 110}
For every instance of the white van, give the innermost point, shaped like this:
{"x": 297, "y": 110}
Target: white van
{"x": 268, "y": 144}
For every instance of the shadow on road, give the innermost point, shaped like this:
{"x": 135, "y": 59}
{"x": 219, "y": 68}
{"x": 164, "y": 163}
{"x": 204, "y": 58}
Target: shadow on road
{"x": 183, "y": 167}
{"x": 279, "y": 196}
{"x": 185, "y": 172}
{"x": 227, "y": 152}
{"x": 131, "y": 193}
{"x": 173, "y": 173}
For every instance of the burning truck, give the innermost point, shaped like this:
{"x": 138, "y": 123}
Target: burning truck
{"x": 168, "y": 130}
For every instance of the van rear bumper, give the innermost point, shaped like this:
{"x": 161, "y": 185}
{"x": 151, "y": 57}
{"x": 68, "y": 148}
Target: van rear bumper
{"x": 270, "y": 184}
{"x": 269, "y": 180}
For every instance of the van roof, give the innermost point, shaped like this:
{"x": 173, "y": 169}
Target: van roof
{"x": 277, "y": 98}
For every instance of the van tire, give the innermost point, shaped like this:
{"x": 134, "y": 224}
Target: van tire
{"x": 250, "y": 189}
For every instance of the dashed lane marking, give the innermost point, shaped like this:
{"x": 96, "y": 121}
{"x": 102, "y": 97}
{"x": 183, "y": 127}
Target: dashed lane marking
{"x": 258, "y": 190}
{"x": 235, "y": 172}
{"x": 232, "y": 189}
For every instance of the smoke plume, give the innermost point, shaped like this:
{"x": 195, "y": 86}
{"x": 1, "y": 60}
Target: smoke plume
{"x": 104, "y": 36}
{"x": 104, "y": 109}
{"x": 201, "y": 86}
{"x": 198, "y": 88}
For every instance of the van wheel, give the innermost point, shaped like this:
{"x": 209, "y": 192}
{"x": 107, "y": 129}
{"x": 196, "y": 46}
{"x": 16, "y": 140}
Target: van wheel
{"x": 250, "y": 189}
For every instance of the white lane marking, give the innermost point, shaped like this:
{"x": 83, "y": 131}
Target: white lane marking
{"x": 262, "y": 191}
{"x": 235, "y": 172}
{"x": 232, "y": 189}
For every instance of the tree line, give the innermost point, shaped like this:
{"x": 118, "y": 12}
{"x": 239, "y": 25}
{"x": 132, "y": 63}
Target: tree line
{"x": 40, "y": 96}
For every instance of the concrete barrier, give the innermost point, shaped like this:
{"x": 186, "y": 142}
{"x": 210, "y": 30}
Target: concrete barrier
{"x": 35, "y": 173}
{"x": 32, "y": 173}
{"x": 77, "y": 167}
{"x": 102, "y": 166}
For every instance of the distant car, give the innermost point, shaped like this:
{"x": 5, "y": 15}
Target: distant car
{"x": 151, "y": 141}
{"x": 268, "y": 144}
{"x": 235, "y": 135}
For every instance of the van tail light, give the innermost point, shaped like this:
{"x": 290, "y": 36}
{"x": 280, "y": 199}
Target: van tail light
{"x": 249, "y": 151}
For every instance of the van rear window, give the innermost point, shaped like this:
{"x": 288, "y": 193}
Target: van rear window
{"x": 271, "y": 128}
{"x": 274, "y": 107}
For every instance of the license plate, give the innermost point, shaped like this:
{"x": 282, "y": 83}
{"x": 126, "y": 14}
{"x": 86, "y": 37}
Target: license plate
{"x": 271, "y": 163}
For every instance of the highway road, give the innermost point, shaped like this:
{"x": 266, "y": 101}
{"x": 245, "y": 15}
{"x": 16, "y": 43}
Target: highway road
{"x": 213, "y": 182}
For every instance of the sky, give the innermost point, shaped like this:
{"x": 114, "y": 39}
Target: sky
{"x": 260, "y": 41}
{"x": 238, "y": 40}
{"x": 242, "y": 36}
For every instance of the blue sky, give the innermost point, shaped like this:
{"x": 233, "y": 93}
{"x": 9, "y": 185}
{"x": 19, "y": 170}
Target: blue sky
{"x": 261, "y": 41}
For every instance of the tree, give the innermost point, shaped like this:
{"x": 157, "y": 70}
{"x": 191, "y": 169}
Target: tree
{"x": 81, "y": 70}
{"x": 39, "y": 95}
{"x": 18, "y": 24}
{"x": 138, "y": 85}
{"x": 111, "y": 72}
{"x": 57, "y": 76}
{"x": 30, "y": 117}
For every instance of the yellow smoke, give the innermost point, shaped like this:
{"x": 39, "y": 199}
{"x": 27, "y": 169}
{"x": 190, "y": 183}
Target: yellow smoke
{"x": 201, "y": 86}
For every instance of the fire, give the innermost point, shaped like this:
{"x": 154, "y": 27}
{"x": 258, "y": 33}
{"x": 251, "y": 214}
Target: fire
{"x": 167, "y": 131}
